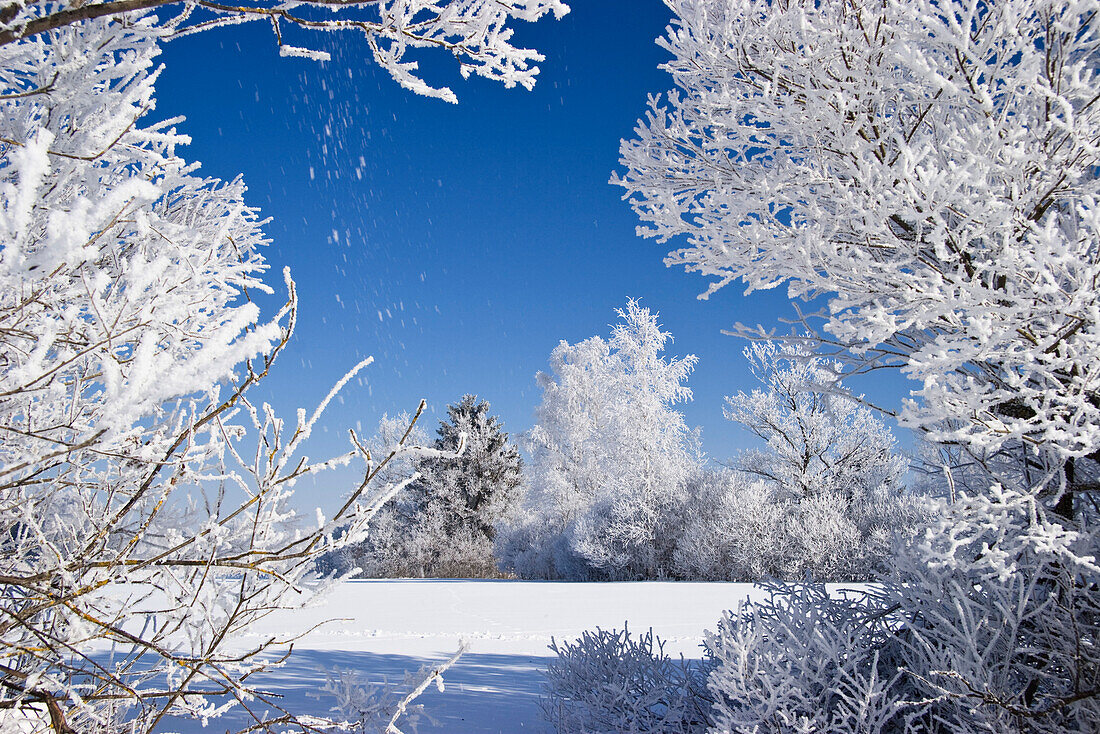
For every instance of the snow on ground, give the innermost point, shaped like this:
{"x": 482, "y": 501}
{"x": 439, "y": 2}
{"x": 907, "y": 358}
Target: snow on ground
{"x": 383, "y": 628}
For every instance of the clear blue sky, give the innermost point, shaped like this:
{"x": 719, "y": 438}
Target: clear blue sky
{"x": 483, "y": 233}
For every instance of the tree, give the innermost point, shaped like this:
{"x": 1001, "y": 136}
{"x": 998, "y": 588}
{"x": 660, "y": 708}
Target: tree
{"x": 929, "y": 170}
{"x": 444, "y": 524}
{"x": 479, "y": 486}
{"x": 928, "y": 167}
{"x": 822, "y": 497}
{"x": 131, "y": 515}
{"x": 817, "y": 442}
{"x": 609, "y": 455}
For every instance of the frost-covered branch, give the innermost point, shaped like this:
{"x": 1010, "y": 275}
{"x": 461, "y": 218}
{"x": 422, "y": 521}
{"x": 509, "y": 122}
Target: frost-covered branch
{"x": 475, "y": 32}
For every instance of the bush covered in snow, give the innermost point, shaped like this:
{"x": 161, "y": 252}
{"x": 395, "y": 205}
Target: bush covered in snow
{"x": 806, "y": 661}
{"x": 1001, "y": 609}
{"x": 609, "y": 682}
{"x": 989, "y": 625}
{"x": 740, "y": 529}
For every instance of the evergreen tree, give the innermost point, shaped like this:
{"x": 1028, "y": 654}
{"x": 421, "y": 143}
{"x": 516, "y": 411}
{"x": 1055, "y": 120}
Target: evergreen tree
{"x": 444, "y": 523}
{"x": 477, "y": 488}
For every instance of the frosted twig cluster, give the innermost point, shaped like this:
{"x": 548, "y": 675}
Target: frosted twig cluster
{"x": 475, "y": 32}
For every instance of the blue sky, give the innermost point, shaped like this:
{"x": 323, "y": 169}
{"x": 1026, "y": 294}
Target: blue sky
{"x": 455, "y": 244}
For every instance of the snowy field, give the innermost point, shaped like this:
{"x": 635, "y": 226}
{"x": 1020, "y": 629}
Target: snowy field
{"x": 383, "y": 628}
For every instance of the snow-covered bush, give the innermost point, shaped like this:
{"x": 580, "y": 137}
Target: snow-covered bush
{"x": 408, "y": 545}
{"x": 989, "y": 624}
{"x": 608, "y": 682}
{"x": 806, "y": 661}
{"x": 133, "y": 518}
{"x": 737, "y": 528}
{"x": 1014, "y": 648}
{"x": 610, "y": 458}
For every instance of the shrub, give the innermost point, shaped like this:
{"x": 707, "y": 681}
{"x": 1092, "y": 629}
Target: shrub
{"x": 738, "y": 529}
{"x": 608, "y": 681}
{"x": 805, "y": 661}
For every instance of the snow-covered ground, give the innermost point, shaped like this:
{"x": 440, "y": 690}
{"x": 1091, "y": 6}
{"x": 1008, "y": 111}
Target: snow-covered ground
{"x": 383, "y": 628}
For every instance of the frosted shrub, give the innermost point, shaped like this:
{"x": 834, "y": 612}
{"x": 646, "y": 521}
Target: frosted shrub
{"x": 609, "y": 682}
{"x": 990, "y": 625}
{"x": 734, "y": 531}
{"x": 1016, "y": 648}
{"x": 740, "y": 529}
{"x": 805, "y": 661}
{"x": 421, "y": 546}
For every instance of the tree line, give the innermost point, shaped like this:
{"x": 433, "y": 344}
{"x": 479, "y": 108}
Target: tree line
{"x": 616, "y": 486}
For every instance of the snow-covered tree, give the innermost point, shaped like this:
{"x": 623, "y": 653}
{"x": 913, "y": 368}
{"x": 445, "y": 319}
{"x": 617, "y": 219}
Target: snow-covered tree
{"x": 816, "y": 442}
{"x": 823, "y": 496}
{"x": 445, "y": 522}
{"x": 929, "y": 167}
{"x": 479, "y": 486}
{"x": 132, "y": 517}
{"x": 610, "y": 456}
{"x": 475, "y": 32}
